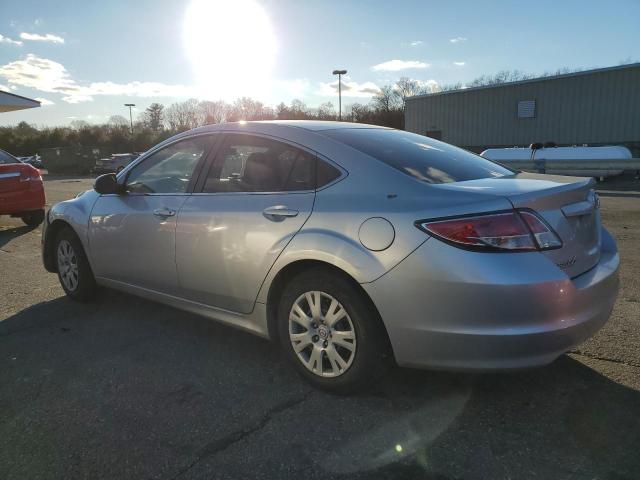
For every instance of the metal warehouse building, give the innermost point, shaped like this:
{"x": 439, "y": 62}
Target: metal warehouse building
{"x": 595, "y": 107}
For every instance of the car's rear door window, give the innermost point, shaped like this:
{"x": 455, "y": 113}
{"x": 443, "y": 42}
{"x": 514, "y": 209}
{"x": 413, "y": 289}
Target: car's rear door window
{"x": 249, "y": 163}
{"x": 420, "y": 157}
{"x": 6, "y": 159}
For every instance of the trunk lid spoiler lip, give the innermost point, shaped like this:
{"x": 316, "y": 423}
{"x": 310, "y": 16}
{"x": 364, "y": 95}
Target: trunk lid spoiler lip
{"x": 532, "y": 188}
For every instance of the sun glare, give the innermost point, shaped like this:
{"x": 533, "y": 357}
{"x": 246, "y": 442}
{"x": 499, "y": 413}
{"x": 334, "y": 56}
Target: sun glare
{"x": 232, "y": 47}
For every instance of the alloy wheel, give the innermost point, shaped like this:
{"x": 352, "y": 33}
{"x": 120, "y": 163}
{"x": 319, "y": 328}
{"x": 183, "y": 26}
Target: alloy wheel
{"x": 68, "y": 265}
{"x": 322, "y": 334}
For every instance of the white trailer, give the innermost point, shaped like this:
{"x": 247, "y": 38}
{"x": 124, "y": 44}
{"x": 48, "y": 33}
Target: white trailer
{"x": 564, "y": 155}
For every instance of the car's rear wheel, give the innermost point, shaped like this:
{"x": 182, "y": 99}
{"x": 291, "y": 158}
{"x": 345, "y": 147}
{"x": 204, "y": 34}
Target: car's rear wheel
{"x": 33, "y": 218}
{"x": 330, "y": 332}
{"x": 74, "y": 271}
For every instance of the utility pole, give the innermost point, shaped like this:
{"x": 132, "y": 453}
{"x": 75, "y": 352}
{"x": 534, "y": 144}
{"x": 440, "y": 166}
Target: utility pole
{"x": 340, "y": 73}
{"x": 130, "y": 105}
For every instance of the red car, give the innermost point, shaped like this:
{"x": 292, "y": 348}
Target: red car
{"x": 21, "y": 190}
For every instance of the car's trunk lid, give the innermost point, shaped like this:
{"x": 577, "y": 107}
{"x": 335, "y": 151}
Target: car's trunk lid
{"x": 567, "y": 204}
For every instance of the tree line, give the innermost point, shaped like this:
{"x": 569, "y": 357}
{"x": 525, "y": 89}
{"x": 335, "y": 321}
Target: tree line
{"x": 158, "y": 122}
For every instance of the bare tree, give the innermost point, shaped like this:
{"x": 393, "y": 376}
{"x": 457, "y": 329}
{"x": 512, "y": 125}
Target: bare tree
{"x": 79, "y": 125}
{"x": 298, "y": 110}
{"x": 387, "y": 99}
{"x": 407, "y": 87}
{"x": 116, "y": 121}
{"x": 213, "y": 112}
{"x": 326, "y": 111}
{"x": 183, "y": 116}
{"x": 246, "y": 108}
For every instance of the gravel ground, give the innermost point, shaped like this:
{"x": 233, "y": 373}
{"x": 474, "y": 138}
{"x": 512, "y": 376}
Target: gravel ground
{"x": 124, "y": 388}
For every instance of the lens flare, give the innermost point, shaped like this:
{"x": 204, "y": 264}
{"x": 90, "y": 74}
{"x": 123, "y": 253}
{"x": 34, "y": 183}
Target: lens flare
{"x": 232, "y": 47}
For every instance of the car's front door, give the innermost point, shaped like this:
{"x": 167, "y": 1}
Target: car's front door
{"x": 256, "y": 196}
{"x": 132, "y": 235}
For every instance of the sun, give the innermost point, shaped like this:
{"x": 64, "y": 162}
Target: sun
{"x": 232, "y": 47}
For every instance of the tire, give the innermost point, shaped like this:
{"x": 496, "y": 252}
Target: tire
{"x": 33, "y": 218}
{"x": 363, "y": 356}
{"x": 74, "y": 271}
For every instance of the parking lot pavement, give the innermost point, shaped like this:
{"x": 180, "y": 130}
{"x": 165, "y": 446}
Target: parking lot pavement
{"x": 124, "y": 388}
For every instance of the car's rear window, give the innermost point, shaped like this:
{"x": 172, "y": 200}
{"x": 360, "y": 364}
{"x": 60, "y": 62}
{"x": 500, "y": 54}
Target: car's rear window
{"x": 420, "y": 157}
{"x": 6, "y": 158}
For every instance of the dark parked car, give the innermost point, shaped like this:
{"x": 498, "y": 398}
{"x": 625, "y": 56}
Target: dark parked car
{"x": 114, "y": 163}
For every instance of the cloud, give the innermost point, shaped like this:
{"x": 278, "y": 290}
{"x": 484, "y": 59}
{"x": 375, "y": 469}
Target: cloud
{"x": 3, "y": 88}
{"x": 349, "y": 89}
{"x": 416, "y": 43}
{"x": 459, "y": 64}
{"x": 137, "y": 89}
{"x": 458, "y": 39}
{"x": 36, "y": 37}
{"x": 8, "y": 40}
{"x": 397, "y": 65}
{"x": 430, "y": 85}
{"x": 40, "y": 74}
{"x": 52, "y": 77}
{"x": 44, "y": 102}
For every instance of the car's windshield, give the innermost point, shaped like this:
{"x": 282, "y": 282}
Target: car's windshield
{"x": 7, "y": 158}
{"x": 420, "y": 157}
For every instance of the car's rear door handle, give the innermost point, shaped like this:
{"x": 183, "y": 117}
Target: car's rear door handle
{"x": 164, "y": 212}
{"x": 279, "y": 212}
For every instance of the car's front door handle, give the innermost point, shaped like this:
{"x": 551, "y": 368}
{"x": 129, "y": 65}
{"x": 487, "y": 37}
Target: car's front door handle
{"x": 164, "y": 212}
{"x": 279, "y": 212}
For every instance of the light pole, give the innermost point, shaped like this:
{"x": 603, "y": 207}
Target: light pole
{"x": 130, "y": 105}
{"x": 340, "y": 73}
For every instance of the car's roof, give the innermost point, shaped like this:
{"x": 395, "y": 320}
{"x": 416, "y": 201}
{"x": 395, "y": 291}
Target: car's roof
{"x": 316, "y": 125}
{"x": 311, "y": 125}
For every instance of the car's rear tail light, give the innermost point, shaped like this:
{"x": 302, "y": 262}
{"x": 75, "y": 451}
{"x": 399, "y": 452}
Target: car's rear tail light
{"x": 506, "y": 231}
{"x": 544, "y": 235}
{"x": 32, "y": 174}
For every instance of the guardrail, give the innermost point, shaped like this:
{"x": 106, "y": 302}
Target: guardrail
{"x": 632, "y": 164}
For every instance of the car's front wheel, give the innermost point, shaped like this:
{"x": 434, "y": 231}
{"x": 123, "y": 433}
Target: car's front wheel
{"x": 74, "y": 271}
{"x": 33, "y": 218}
{"x": 330, "y": 332}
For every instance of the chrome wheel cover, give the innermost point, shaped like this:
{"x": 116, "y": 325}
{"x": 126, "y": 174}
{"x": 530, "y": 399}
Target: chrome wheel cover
{"x": 68, "y": 265}
{"x": 322, "y": 334}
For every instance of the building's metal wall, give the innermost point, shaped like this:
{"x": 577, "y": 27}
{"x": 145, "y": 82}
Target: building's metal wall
{"x": 600, "y": 107}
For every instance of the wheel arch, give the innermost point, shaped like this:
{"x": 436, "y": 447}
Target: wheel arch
{"x": 289, "y": 271}
{"x": 48, "y": 254}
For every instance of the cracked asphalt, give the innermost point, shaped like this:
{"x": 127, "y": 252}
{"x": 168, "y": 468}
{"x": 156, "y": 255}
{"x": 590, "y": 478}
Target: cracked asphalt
{"x": 124, "y": 388}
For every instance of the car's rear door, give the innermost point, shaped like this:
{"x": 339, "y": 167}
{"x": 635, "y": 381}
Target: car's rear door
{"x": 255, "y": 197}
{"x": 132, "y": 235}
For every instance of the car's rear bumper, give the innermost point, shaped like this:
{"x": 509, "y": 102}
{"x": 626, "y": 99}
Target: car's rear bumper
{"x": 448, "y": 308}
{"x": 21, "y": 201}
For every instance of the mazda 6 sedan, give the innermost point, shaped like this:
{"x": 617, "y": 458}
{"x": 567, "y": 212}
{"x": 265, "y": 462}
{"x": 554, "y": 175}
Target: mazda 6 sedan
{"x": 352, "y": 245}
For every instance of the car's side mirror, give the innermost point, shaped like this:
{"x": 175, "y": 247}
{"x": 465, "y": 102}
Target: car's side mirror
{"x": 107, "y": 184}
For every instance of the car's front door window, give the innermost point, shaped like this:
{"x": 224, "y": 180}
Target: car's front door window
{"x": 170, "y": 169}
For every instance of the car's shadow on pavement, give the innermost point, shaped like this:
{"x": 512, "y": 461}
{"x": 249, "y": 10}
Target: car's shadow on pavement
{"x": 123, "y": 388}
{"x": 9, "y": 233}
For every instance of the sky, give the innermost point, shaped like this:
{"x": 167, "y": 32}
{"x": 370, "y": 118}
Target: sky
{"x": 85, "y": 59}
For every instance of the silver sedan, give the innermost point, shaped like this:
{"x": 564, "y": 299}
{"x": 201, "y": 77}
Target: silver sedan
{"x": 352, "y": 245}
